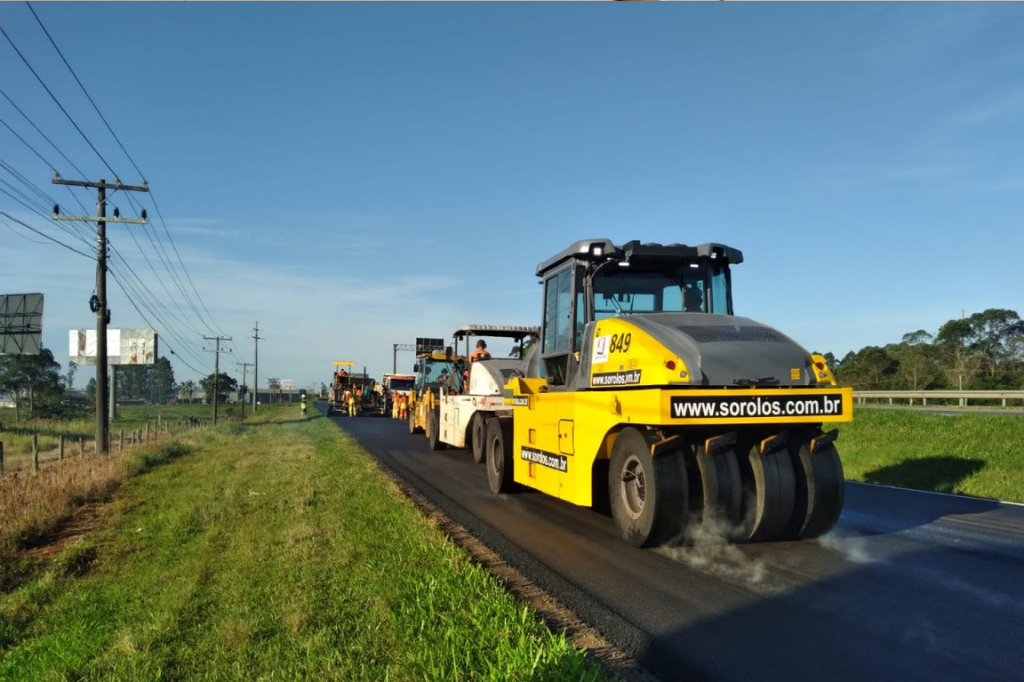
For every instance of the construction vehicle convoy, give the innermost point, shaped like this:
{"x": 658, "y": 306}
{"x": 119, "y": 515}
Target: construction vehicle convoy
{"x": 470, "y": 394}
{"x": 646, "y": 393}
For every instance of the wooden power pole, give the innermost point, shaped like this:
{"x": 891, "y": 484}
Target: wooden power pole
{"x": 100, "y": 302}
{"x": 256, "y": 369}
{"x": 216, "y": 369}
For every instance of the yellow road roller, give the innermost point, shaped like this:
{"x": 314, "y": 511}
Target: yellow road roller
{"x": 647, "y": 395}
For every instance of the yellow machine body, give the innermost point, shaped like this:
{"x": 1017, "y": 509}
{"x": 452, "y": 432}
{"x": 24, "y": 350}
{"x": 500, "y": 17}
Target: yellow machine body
{"x": 559, "y": 434}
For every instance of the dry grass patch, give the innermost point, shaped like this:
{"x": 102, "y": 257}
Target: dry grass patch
{"x": 33, "y": 506}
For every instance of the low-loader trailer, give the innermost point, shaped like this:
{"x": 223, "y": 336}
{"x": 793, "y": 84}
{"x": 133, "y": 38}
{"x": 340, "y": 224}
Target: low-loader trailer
{"x": 648, "y": 395}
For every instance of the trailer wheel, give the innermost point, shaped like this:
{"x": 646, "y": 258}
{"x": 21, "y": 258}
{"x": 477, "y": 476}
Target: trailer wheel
{"x": 820, "y": 487}
{"x": 499, "y": 456}
{"x": 478, "y": 437}
{"x": 648, "y": 495}
{"x": 434, "y": 430}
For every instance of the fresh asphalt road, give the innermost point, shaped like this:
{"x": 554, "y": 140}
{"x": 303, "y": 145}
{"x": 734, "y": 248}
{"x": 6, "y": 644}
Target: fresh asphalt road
{"x": 910, "y": 585}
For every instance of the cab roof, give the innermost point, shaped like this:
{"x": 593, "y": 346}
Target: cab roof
{"x": 497, "y": 330}
{"x": 599, "y": 250}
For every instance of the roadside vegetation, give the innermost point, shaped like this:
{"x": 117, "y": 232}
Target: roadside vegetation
{"x": 968, "y": 454}
{"x": 269, "y": 549}
{"x": 983, "y": 351}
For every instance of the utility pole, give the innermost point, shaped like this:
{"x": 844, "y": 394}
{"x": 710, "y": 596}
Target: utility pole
{"x": 100, "y": 301}
{"x": 216, "y": 369}
{"x": 244, "y": 366}
{"x": 256, "y": 369}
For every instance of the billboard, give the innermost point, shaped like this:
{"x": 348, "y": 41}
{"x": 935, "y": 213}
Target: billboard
{"x": 21, "y": 324}
{"x": 124, "y": 346}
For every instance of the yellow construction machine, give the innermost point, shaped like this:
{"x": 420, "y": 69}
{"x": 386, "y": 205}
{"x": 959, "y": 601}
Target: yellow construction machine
{"x": 343, "y": 381}
{"x": 433, "y": 369}
{"x": 648, "y": 395}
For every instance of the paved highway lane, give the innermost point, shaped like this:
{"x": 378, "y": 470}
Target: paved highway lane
{"x": 910, "y": 586}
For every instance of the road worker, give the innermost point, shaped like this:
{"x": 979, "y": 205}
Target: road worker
{"x": 352, "y": 405}
{"x": 396, "y": 400}
{"x": 481, "y": 352}
{"x": 403, "y": 408}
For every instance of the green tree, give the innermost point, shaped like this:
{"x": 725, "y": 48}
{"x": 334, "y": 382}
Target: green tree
{"x": 992, "y": 334}
{"x": 918, "y": 365}
{"x": 186, "y": 390}
{"x": 961, "y": 361}
{"x": 225, "y": 385}
{"x": 90, "y": 391}
{"x": 869, "y": 369}
{"x": 161, "y": 381}
{"x": 34, "y": 381}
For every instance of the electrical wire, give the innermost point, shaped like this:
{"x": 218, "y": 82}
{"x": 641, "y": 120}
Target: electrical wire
{"x": 57, "y": 101}
{"x": 91, "y": 101}
{"x": 211, "y": 324}
{"x": 43, "y": 234}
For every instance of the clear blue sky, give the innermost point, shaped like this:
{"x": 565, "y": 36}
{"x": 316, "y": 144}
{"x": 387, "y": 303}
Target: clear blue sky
{"x": 355, "y": 175}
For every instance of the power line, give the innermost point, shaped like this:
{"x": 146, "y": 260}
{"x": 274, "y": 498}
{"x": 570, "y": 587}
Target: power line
{"x": 41, "y": 212}
{"x": 151, "y": 325}
{"x": 43, "y": 234}
{"x": 212, "y": 324}
{"x": 19, "y": 234}
{"x": 57, "y": 101}
{"x": 44, "y": 136}
{"x": 88, "y": 96}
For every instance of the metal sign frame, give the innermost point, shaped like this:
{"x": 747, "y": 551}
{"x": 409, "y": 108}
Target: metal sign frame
{"x": 21, "y": 324}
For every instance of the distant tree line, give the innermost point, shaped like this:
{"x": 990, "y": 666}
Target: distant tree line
{"x": 983, "y": 352}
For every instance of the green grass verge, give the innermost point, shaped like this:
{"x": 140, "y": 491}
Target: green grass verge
{"x": 968, "y": 454}
{"x": 277, "y": 550}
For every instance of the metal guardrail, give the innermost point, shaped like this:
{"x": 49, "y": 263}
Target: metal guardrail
{"x": 963, "y": 397}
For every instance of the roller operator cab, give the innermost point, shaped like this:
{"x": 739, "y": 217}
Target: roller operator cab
{"x": 648, "y": 395}
{"x": 473, "y": 390}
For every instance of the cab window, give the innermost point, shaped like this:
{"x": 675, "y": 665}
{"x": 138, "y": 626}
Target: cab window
{"x": 557, "y": 323}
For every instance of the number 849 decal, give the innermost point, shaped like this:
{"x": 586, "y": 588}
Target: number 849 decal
{"x": 610, "y": 343}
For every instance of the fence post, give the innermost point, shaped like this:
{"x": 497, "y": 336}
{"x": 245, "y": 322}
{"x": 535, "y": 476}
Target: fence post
{"x": 147, "y": 431}
{"x": 60, "y": 441}
{"x": 120, "y": 440}
{"x": 81, "y": 446}
{"x": 35, "y": 452}
{"x": 1, "y": 458}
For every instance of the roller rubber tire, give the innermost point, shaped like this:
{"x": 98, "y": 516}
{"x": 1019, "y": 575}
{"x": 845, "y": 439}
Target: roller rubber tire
{"x": 434, "y": 431}
{"x": 774, "y": 494}
{"x": 478, "y": 438}
{"x": 820, "y": 487}
{"x": 648, "y": 495}
{"x": 412, "y": 421}
{"x": 722, "y": 488}
{"x": 499, "y": 456}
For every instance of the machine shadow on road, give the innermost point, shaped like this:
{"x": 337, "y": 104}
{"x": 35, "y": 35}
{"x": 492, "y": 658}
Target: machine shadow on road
{"x": 929, "y": 615}
{"x": 941, "y": 473}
